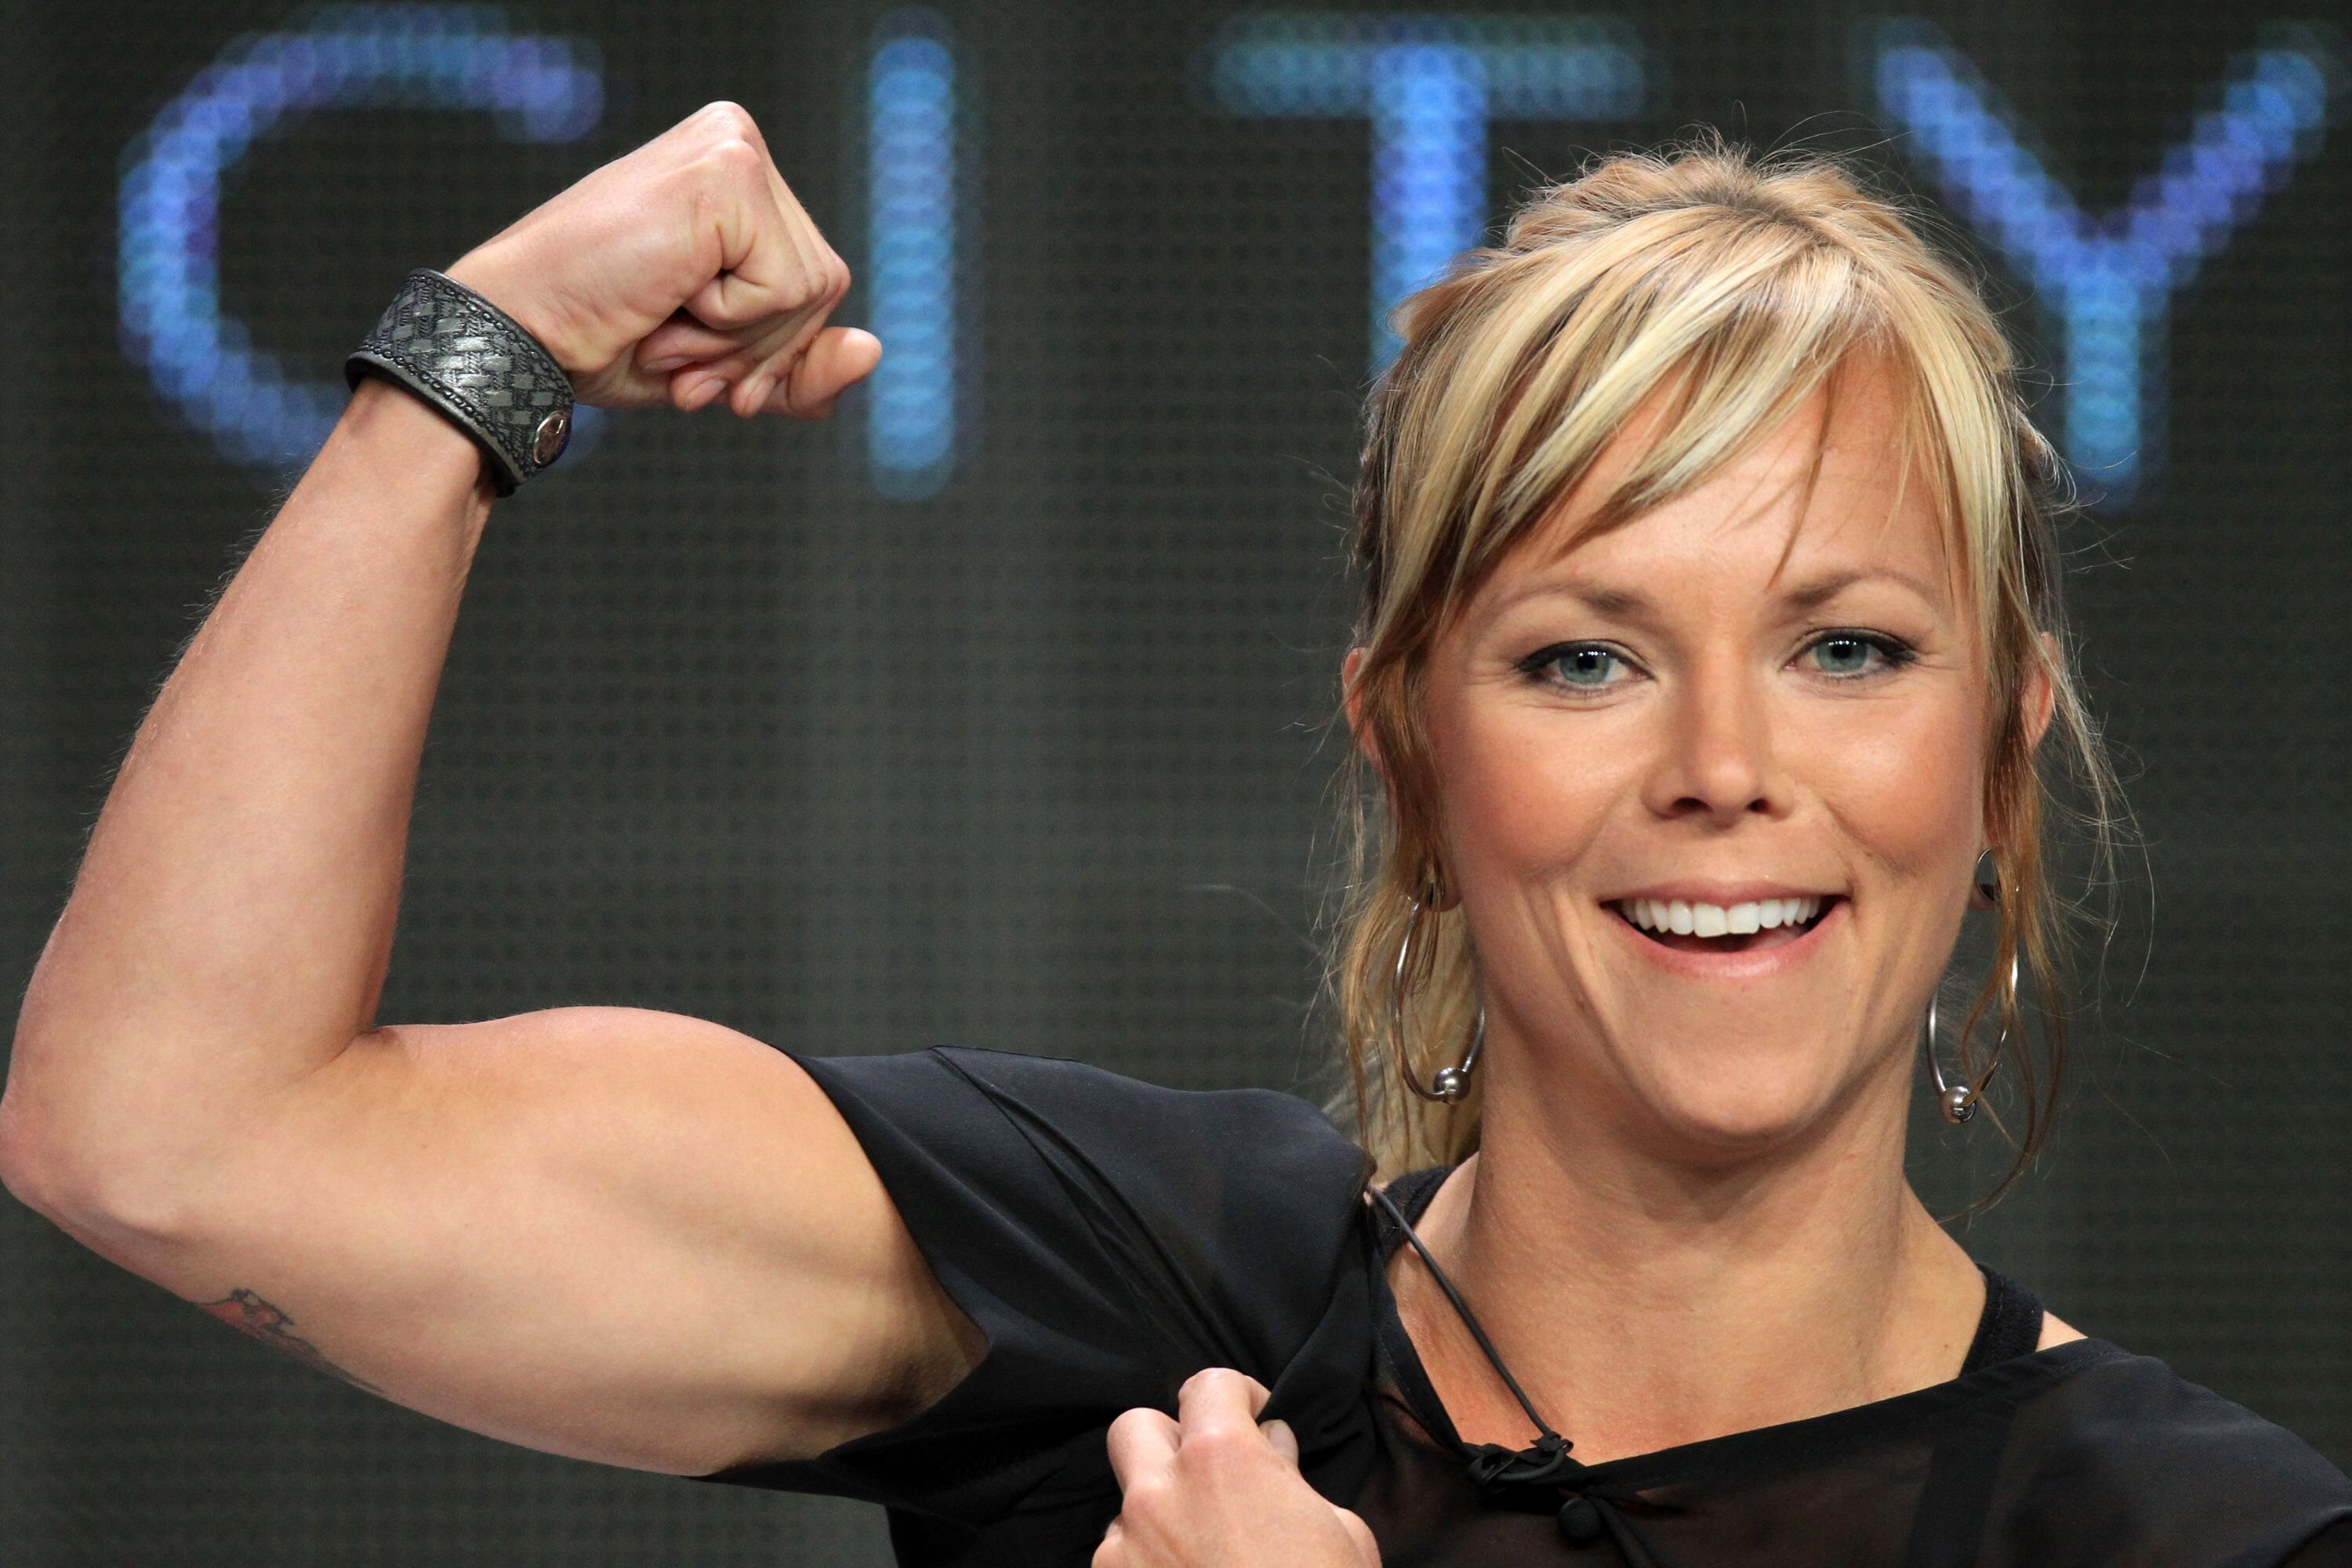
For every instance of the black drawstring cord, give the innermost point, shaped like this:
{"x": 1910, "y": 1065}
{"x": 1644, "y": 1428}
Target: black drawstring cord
{"x": 1544, "y": 1465}
{"x": 1470, "y": 1321}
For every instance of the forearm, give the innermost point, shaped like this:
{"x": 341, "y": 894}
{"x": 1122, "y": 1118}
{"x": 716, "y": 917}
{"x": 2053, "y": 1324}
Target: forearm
{"x": 230, "y": 927}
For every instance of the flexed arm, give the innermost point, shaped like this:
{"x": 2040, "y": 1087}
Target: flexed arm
{"x": 626, "y": 1236}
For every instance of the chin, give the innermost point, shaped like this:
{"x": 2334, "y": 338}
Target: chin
{"x": 1722, "y": 1115}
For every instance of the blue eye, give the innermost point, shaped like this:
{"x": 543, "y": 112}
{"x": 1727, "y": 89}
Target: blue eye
{"x": 1585, "y": 667}
{"x": 1849, "y": 654}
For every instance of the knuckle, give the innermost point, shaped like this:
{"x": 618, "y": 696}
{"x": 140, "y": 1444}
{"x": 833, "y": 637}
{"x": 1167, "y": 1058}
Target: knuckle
{"x": 1216, "y": 1448}
{"x": 1206, "y": 1380}
{"x": 730, "y": 118}
{"x": 1129, "y": 1425}
{"x": 735, "y": 157}
{"x": 1213, "y": 1382}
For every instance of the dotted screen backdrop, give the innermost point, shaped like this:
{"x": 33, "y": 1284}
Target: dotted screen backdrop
{"x": 994, "y": 711}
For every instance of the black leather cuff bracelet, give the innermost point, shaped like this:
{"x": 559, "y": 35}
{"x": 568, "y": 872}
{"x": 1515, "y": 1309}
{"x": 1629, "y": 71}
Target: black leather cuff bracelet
{"x": 468, "y": 359}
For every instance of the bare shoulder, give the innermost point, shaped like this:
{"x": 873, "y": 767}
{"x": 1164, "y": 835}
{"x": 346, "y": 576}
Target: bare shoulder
{"x": 2056, "y": 1331}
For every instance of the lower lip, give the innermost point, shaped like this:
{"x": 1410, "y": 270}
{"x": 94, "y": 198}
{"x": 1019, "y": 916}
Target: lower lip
{"x": 1756, "y": 963}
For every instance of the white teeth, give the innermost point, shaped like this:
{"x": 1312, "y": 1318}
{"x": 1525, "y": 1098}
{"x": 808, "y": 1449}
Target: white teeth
{"x": 1686, "y": 919}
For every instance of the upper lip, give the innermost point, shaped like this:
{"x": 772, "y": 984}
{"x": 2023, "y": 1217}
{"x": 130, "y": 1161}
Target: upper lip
{"x": 1723, "y": 895}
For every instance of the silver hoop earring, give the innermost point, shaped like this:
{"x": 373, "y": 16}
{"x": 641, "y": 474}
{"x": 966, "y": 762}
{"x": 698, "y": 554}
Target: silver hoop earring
{"x": 1448, "y": 1086}
{"x": 1984, "y": 891}
{"x": 1958, "y": 1102}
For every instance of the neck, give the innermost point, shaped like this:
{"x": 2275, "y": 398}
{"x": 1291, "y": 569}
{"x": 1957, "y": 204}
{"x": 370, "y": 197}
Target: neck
{"x": 1643, "y": 1302}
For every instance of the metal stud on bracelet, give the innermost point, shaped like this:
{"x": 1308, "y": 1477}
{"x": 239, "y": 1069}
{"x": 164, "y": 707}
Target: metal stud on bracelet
{"x": 478, "y": 367}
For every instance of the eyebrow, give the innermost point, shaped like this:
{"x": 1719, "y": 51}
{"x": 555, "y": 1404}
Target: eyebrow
{"x": 1630, "y": 603}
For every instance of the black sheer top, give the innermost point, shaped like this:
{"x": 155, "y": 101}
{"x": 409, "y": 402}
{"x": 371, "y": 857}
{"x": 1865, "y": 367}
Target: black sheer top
{"x": 1110, "y": 1238}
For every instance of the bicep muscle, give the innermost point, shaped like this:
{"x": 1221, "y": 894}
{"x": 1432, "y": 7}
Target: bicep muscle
{"x": 622, "y": 1235}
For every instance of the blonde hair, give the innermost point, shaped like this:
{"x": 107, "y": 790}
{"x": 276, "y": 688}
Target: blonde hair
{"x": 1738, "y": 286}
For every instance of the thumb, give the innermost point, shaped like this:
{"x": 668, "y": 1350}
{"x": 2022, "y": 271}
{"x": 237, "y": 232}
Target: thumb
{"x": 836, "y": 360}
{"x": 1281, "y": 1438}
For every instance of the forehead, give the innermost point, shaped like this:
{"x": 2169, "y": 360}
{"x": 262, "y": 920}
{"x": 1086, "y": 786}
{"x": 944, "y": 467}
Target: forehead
{"x": 1831, "y": 495}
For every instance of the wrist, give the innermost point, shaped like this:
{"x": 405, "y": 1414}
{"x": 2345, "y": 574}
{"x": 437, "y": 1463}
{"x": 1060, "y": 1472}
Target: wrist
{"x": 409, "y": 444}
{"x": 481, "y": 270}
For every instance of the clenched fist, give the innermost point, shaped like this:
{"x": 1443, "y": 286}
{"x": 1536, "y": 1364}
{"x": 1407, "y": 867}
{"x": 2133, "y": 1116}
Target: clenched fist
{"x": 1214, "y": 1488}
{"x": 681, "y": 271}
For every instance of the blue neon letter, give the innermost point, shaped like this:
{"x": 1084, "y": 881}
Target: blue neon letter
{"x": 428, "y": 57}
{"x": 1428, "y": 85}
{"x": 912, "y": 247}
{"x": 2110, "y": 280}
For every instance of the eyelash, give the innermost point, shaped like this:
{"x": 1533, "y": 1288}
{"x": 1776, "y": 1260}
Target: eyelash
{"x": 1893, "y": 650}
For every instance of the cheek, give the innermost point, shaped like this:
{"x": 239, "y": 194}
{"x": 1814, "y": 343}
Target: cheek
{"x": 1903, "y": 782}
{"x": 1522, "y": 796}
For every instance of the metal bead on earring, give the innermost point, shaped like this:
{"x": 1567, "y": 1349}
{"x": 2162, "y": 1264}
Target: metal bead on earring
{"x": 1958, "y": 1102}
{"x": 1447, "y": 1086}
{"x": 1452, "y": 1085}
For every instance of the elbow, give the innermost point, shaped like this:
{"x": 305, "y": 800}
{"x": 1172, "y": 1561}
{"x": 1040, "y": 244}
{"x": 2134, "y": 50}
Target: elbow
{"x": 23, "y": 1170}
{"x": 29, "y": 1169}
{"x": 70, "y": 1152}
{"x": 86, "y": 1192}
{"x": 34, "y": 1176}
{"x": 32, "y": 1145}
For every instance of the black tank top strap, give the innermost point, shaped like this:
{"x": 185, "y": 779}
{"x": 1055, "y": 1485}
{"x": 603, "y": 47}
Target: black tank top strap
{"x": 1411, "y": 1194}
{"x": 2011, "y": 1326}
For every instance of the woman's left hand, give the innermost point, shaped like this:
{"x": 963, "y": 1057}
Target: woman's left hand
{"x": 1214, "y": 1488}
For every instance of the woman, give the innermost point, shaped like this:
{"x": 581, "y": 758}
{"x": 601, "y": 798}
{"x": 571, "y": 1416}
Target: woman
{"x": 1712, "y": 630}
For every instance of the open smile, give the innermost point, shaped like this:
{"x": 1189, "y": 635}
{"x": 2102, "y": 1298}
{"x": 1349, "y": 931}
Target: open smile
{"x": 1693, "y": 926}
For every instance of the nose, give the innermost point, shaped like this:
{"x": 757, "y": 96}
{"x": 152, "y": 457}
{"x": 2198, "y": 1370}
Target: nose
{"x": 1716, "y": 760}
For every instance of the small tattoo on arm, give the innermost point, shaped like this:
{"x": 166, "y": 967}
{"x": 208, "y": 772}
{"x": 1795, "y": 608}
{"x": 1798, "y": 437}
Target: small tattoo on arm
{"x": 249, "y": 1315}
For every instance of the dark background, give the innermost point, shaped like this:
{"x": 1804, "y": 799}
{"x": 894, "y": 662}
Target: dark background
{"x": 725, "y": 731}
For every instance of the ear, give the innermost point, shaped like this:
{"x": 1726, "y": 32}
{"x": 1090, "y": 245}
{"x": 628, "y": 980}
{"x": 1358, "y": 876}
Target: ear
{"x": 2039, "y": 697}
